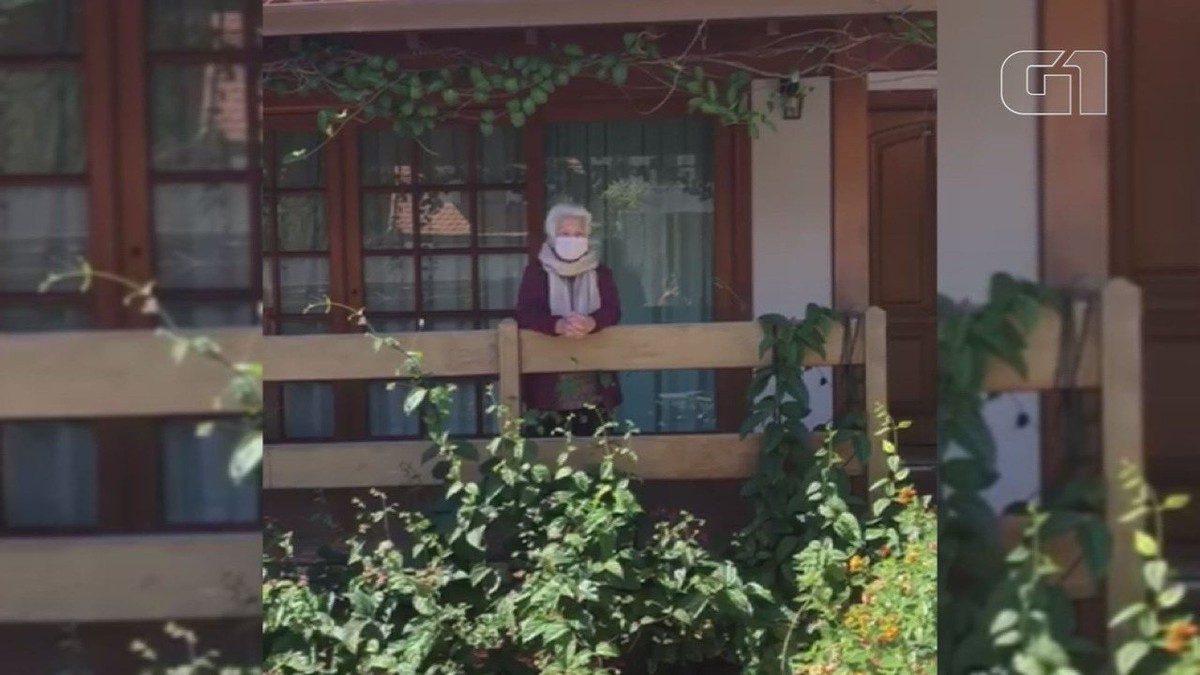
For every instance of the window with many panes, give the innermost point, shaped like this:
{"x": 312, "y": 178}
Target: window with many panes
{"x": 127, "y": 135}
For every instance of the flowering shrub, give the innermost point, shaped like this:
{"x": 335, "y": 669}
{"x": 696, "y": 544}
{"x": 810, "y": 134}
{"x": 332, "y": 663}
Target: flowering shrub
{"x": 892, "y": 625}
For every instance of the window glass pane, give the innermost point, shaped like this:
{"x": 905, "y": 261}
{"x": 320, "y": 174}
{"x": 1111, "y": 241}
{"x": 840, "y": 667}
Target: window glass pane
{"x": 199, "y": 117}
{"x": 445, "y": 220}
{"x": 503, "y": 219}
{"x": 649, "y": 185}
{"x": 206, "y": 314}
{"x": 385, "y": 158}
{"x": 387, "y": 221}
{"x": 500, "y": 157}
{"x": 307, "y": 406}
{"x": 42, "y": 318}
{"x": 390, "y": 284}
{"x": 302, "y": 223}
{"x": 306, "y": 171}
{"x": 303, "y": 281}
{"x": 42, "y": 230}
{"x": 49, "y": 473}
{"x": 444, "y": 156}
{"x": 41, "y": 121}
{"x": 196, "y": 24}
{"x": 446, "y": 283}
{"x": 202, "y": 233}
{"x": 385, "y": 411}
{"x": 268, "y": 285}
{"x": 39, "y": 27}
{"x": 499, "y": 277}
{"x": 196, "y": 483}
{"x": 307, "y": 410}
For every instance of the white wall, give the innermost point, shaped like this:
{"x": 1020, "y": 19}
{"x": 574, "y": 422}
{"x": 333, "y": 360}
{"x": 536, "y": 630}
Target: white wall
{"x": 987, "y": 191}
{"x": 792, "y": 211}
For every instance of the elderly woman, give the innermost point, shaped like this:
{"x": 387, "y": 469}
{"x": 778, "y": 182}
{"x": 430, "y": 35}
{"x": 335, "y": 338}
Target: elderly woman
{"x": 568, "y": 293}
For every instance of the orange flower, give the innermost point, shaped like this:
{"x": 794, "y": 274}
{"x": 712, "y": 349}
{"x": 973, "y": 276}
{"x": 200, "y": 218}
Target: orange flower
{"x": 1179, "y": 633}
{"x": 857, "y": 564}
{"x": 890, "y": 633}
{"x": 910, "y": 556}
{"x": 906, "y": 495}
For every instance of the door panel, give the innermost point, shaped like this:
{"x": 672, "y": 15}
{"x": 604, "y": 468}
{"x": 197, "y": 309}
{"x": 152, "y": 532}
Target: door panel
{"x": 1156, "y": 243}
{"x": 903, "y": 243}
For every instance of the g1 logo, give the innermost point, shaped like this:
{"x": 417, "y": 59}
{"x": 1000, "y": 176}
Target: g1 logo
{"x": 1029, "y": 87}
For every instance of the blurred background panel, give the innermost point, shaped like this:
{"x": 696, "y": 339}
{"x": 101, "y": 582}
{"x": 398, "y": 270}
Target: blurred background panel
{"x": 128, "y": 137}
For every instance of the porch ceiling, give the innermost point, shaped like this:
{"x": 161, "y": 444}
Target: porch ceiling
{"x": 302, "y": 17}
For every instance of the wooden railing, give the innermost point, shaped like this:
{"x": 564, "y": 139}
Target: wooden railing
{"x": 142, "y": 577}
{"x": 507, "y": 353}
{"x": 1110, "y": 361}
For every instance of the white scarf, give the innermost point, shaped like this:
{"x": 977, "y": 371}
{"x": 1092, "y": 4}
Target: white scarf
{"x": 573, "y": 285}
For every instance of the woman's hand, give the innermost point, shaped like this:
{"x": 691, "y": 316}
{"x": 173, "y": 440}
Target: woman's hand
{"x": 575, "y": 325}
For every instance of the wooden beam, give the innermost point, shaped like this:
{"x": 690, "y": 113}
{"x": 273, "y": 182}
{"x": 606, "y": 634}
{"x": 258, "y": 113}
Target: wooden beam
{"x": 112, "y": 373}
{"x": 509, "y": 369}
{"x": 369, "y": 16}
{"x": 398, "y": 463}
{"x": 1122, "y": 435}
{"x": 1075, "y": 156}
{"x": 876, "y": 388}
{"x": 851, "y": 191}
{"x": 1042, "y": 356}
{"x": 130, "y": 578}
{"x": 470, "y": 353}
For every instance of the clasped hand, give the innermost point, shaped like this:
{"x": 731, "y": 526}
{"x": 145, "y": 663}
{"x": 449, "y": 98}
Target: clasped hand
{"x": 575, "y": 325}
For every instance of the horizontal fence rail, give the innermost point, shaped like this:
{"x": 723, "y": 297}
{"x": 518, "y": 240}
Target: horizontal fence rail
{"x": 130, "y": 578}
{"x": 508, "y": 353}
{"x": 1110, "y": 361}
{"x": 117, "y": 373}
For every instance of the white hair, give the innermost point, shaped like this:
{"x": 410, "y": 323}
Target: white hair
{"x": 561, "y": 211}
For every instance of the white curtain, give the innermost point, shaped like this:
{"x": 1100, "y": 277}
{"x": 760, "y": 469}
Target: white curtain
{"x": 649, "y": 185}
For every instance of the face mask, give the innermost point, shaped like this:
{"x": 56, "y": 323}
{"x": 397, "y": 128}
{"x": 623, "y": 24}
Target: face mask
{"x": 571, "y": 248}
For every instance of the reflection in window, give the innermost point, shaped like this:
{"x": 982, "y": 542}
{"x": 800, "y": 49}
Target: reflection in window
{"x": 41, "y": 121}
{"x": 199, "y": 116}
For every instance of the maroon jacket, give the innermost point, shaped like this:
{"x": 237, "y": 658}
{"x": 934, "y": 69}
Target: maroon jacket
{"x": 533, "y": 313}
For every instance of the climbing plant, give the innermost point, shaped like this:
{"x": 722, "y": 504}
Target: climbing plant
{"x": 1008, "y": 609}
{"x": 779, "y": 403}
{"x": 507, "y": 89}
{"x": 242, "y": 394}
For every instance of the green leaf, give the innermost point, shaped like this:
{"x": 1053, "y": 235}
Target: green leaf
{"x": 1145, "y": 545}
{"x": 1130, "y": 654}
{"x": 1005, "y": 620}
{"x": 613, "y": 566}
{"x": 1171, "y": 596}
{"x": 247, "y": 456}
{"x": 475, "y": 537}
{"x": 620, "y": 73}
{"x": 1155, "y": 573}
{"x": 1126, "y": 614}
{"x": 1175, "y": 502}
{"x": 518, "y": 119}
{"x": 414, "y": 399}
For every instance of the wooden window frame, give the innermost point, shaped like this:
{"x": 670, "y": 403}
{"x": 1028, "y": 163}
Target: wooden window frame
{"x": 114, "y": 61}
{"x": 732, "y": 237}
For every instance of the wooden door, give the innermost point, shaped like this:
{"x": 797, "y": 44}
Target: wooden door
{"x": 903, "y": 247}
{"x": 1156, "y": 241}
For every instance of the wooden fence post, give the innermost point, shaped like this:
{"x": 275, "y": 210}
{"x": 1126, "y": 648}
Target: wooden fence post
{"x": 875, "y": 387}
{"x": 508, "y": 344}
{"x": 1121, "y": 434}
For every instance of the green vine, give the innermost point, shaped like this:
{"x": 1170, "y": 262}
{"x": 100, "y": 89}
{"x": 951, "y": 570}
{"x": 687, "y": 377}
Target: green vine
{"x": 242, "y": 394}
{"x": 782, "y": 524}
{"x": 509, "y": 89}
